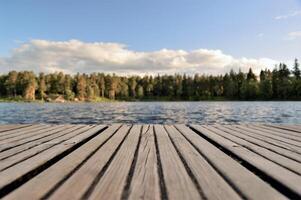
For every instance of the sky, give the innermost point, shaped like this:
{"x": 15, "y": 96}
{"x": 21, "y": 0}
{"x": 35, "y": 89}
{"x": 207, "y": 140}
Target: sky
{"x": 141, "y": 37}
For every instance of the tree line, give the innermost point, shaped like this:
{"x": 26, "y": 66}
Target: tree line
{"x": 278, "y": 84}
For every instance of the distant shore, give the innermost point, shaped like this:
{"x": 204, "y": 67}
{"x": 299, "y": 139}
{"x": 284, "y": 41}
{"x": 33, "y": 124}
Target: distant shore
{"x": 107, "y": 100}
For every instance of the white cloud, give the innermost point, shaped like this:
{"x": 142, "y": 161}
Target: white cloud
{"x": 76, "y": 56}
{"x": 294, "y": 35}
{"x": 292, "y": 14}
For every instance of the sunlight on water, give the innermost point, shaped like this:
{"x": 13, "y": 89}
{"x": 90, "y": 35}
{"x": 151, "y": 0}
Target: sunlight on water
{"x": 152, "y": 112}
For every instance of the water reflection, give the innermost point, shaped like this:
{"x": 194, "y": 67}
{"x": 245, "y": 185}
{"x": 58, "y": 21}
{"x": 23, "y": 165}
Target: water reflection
{"x": 152, "y": 112}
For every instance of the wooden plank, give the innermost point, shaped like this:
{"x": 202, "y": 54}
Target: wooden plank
{"x": 289, "y": 153}
{"x": 69, "y": 132}
{"x": 291, "y": 129}
{"x": 112, "y": 184}
{"x": 29, "y": 166}
{"x": 284, "y": 137}
{"x": 5, "y": 127}
{"x": 274, "y": 131}
{"x": 294, "y": 127}
{"x": 30, "y": 134}
{"x": 145, "y": 180}
{"x": 230, "y": 134}
{"x": 22, "y": 131}
{"x": 51, "y": 178}
{"x": 274, "y": 140}
{"x": 282, "y": 129}
{"x": 53, "y": 134}
{"x": 275, "y": 137}
{"x": 8, "y": 127}
{"x": 36, "y": 136}
{"x": 244, "y": 181}
{"x": 178, "y": 183}
{"x": 211, "y": 183}
{"x": 124, "y": 164}
{"x": 289, "y": 179}
{"x": 89, "y": 172}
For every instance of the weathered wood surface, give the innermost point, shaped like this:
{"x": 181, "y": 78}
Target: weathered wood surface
{"x": 124, "y": 161}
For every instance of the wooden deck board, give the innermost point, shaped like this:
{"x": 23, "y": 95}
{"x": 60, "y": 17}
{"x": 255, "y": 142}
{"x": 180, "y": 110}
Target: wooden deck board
{"x": 28, "y": 137}
{"x": 211, "y": 183}
{"x": 281, "y": 130}
{"x": 278, "y": 132}
{"x": 175, "y": 175}
{"x": 292, "y": 129}
{"x": 31, "y": 134}
{"x": 280, "y": 174}
{"x": 53, "y": 134}
{"x": 272, "y": 138}
{"x": 90, "y": 171}
{"x": 5, "y": 128}
{"x": 270, "y": 155}
{"x": 150, "y": 161}
{"x": 70, "y": 132}
{"x": 243, "y": 180}
{"x": 112, "y": 184}
{"x": 22, "y": 131}
{"x": 49, "y": 179}
{"x": 288, "y": 151}
{"x": 145, "y": 180}
{"x": 10, "y": 175}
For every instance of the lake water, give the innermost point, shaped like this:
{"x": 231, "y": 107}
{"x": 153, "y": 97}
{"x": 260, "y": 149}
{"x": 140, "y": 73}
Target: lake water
{"x": 152, "y": 112}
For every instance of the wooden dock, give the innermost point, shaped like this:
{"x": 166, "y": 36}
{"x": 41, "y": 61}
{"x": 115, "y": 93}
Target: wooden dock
{"x": 123, "y": 161}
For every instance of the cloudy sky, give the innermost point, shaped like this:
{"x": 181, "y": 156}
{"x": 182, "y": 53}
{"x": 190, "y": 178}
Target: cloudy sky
{"x": 146, "y": 37}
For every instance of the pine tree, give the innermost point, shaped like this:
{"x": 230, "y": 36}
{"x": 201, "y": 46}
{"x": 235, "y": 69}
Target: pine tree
{"x": 251, "y": 75}
{"x": 11, "y": 83}
{"x": 132, "y": 86}
{"x": 81, "y": 87}
{"x": 42, "y": 86}
{"x": 29, "y": 83}
{"x": 296, "y": 70}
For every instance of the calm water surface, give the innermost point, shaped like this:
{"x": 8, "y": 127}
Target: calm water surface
{"x": 152, "y": 112}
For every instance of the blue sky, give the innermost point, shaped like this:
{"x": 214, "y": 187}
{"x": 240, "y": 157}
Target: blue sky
{"x": 252, "y": 29}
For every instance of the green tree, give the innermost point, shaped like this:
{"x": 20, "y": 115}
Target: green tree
{"x": 296, "y": 81}
{"x": 27, "y": 81}
{"x": 265, "y": 85}
{"x": 112, "y": 86}
{"x": 249, "y": 90}
{"x": 281, "y": 83}
{"x": 90, "y": 93}
{"x": 68, "y": 88}
{"x": 42, "y": 86}
{"x": 296, "y": 70}
{"x": 81, "y": 87}
{"x": 11, "y": 83}
{"x": 229, "y": 90}
{"x": 101, "y": 85}
{"x": 3, "y": 91}
{"x": 251, "y": 76}
{"x": 178, "y": 87}
{"x": 284, "y": 84}
{"x": 132, "y": 86}
{"x": 123, "y": 88}
{"x": 140, "y": 92}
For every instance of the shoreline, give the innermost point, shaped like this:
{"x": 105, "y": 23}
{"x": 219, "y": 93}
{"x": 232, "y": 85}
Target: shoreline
{"x": 145, "y": 100}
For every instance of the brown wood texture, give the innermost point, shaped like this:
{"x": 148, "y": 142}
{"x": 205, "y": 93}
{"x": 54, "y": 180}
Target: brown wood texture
{"x": 132, "y": 161}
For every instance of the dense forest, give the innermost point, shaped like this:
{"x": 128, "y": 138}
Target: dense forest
{"x": 279, "y": 84}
